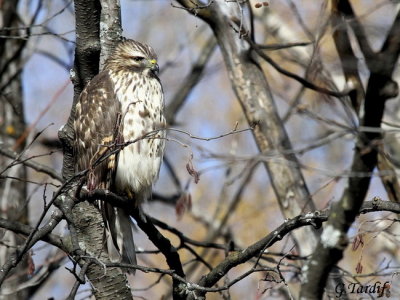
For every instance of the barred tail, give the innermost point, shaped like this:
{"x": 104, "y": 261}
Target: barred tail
{"x": 121, "y": 230}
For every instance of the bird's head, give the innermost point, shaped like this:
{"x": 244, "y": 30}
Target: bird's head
{"x": 130, "y": 55}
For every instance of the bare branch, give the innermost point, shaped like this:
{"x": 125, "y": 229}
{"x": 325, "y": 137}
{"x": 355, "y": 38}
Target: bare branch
{"x": 347, "y": 57}
{"x": 196, "y": 7}
{"x": 345, "y": 8}
{"x": 34, "y": 236}
{"x": 271, "y": 47}
{"x": 30, "y": 163}
{"x": 26, "y": 230}
{"x": 304, "y": 82}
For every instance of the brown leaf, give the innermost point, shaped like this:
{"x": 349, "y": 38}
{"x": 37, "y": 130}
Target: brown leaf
{"x": 31, "y": 264}
{"x": 183, "y": 204}
{"x": 359, "y": 268}
{"x": 192, "y": 172}
{"x": 387, "y": 290}
{"x": 358, "y": 240}
{"x": 384, "y": 291}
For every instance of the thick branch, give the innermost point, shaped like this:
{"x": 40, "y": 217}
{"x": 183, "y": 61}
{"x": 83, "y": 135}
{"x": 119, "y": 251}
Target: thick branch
{"x": 346, "y": 10}
{"x": 197, "y": 8}
{"x": 347, "y": 57}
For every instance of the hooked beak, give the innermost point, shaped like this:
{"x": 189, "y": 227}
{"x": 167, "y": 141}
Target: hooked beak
{"x": 154, "y": 66}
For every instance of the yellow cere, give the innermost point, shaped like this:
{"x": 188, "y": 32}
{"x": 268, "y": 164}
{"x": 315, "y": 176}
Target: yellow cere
{"x": 153, "y": 61}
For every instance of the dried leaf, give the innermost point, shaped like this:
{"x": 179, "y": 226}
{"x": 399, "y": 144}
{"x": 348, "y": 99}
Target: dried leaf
{"x": 183, "y": 204}
{"x": 192, "y": 172}
{"x": 358, "y": 240}
{"x": 31, "y": 264}
{"x": 387, "y": 290}
{"x": 359, "y": 268}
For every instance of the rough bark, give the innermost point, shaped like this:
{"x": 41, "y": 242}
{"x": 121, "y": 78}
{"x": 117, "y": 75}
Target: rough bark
{"x": 12, "y": 192}
{"x": 107, "y": 283}
{"x": 110, "y": 27}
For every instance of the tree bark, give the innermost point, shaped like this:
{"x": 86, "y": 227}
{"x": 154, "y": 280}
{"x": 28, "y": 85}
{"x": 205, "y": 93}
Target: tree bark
{"x": 107, "y": 283}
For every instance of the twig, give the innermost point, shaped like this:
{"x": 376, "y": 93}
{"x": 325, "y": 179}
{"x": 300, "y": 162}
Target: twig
{"x": 271, "y": 47}
{"x": 26, "y": 230}
{"x": 294, "y": 76}
{"x": 80, "y": 280}
{"x": 32, "y": 164}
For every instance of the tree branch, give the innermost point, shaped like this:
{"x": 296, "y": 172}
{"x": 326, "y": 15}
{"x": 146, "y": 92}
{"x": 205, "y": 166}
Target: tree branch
{"x": 26, "y": 230}
{"x": 346, "y": 10}
{"x": 27, "y": 161}
{"x": 301, "y": 80}
{"x": 347, "y": 57}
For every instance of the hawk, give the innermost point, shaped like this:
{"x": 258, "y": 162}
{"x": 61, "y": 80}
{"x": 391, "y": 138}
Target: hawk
{"x": 123, "y": 103}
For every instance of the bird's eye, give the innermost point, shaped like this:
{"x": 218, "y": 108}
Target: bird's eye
{"x": 138, "y": 58}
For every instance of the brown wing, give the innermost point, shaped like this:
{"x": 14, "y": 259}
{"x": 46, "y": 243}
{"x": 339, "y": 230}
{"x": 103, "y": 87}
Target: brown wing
{"x": 97, "y": 118}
